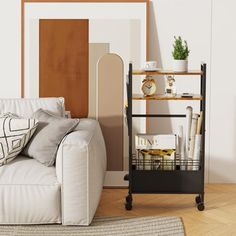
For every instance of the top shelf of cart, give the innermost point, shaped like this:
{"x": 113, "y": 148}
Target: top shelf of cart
{"x": 166, "y": 72}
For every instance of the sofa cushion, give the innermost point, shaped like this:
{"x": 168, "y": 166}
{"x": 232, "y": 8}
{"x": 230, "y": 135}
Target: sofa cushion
{"x": 50, "y": 132}
{"x": 29, "y": 193}
{"x": 27, "y": 106}
{"x": 14, "y": 135}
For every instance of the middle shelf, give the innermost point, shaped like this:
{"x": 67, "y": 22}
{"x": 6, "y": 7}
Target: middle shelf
{"x": 164, "y": 97}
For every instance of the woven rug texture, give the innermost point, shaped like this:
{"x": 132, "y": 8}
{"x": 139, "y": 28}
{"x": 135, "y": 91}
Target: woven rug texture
{"x": 104, "y": 226}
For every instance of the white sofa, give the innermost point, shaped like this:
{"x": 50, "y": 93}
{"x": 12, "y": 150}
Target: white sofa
{"x": 69, "y": 193}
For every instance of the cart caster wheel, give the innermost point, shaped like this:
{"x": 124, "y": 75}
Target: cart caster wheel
{"x": 128, "y": 206}
{"x": 129, "y": 199}
{"x": 126, "y": 177}
{"x": 200, "y": 206}
{"x": 198, "y": 199}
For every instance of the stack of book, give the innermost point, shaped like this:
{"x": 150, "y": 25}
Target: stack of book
{"x": 155, "y": 151}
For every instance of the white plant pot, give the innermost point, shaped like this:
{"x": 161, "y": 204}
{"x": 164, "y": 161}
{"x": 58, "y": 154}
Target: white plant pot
{"x": 180, "y": 65}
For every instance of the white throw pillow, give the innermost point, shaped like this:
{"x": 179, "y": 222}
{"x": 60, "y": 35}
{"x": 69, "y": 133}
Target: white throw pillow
{"x": 14, "y": 135}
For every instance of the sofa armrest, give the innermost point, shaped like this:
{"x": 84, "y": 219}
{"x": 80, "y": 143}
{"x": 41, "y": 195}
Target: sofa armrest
{"x": 81, "y": 167}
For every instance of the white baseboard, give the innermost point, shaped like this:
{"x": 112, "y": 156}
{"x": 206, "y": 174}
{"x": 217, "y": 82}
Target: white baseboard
{"x": 115, "y": 179}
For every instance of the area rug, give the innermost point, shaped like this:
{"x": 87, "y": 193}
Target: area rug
{"x": 161, "y": 226}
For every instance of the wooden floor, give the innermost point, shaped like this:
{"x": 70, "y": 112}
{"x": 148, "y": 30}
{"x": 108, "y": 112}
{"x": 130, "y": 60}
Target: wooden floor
{"x": 219, "y": 217}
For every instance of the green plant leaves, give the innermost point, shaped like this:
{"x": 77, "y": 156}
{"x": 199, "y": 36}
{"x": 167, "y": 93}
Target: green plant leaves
{"x": 181, "y": 50}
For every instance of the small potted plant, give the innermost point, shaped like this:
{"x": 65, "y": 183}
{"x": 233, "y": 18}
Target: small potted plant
{"x": 180, "y": 55}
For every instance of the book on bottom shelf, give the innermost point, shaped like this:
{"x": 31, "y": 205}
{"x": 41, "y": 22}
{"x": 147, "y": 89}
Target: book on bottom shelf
{"x": 155, "y": 151}
{"x": 155, "y": 141}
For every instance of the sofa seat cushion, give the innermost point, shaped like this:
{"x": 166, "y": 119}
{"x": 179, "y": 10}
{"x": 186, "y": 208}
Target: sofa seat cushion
{"x": 29, "y": 193}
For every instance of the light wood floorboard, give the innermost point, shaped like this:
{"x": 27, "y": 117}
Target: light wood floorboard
{"x": 219, "y": 217}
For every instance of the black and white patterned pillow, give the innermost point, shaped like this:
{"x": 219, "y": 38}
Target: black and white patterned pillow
{"x": 9, "y": 114}
{"x": 14, "y": 135}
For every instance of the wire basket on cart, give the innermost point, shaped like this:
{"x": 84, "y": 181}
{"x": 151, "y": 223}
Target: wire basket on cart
{"x": 162, "y": 160}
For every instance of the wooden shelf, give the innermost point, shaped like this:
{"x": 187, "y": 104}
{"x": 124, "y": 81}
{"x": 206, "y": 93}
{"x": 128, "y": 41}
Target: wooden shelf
{"x": 164, "y": 97}
{"x": 166, "y": 72}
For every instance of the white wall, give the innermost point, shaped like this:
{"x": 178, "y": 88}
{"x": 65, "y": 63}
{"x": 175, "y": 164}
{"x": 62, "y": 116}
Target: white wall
{"x": 10, "y": 48}
{"x": 192, "y": 20}
{"x": 223, "y": 93}
{"x": 208, "y": 25}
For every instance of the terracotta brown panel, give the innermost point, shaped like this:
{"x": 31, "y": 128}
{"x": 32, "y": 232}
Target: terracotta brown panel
{"x": 63, "y": 63}
{"x": 110, "y": 108}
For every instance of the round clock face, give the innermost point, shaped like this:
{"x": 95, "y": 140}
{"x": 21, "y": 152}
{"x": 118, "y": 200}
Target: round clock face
{"x": 149, "y": 87}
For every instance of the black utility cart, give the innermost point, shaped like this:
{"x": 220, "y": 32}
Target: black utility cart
{"x": 165, "y": 181}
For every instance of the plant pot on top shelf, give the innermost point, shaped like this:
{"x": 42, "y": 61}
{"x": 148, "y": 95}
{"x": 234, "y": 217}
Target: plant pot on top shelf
{"x": 180, "y": 55}
{"x": 180, "y": 65}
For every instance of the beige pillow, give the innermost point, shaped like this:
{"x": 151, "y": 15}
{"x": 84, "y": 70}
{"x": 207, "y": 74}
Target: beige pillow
{"x": 50, "y": 132}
